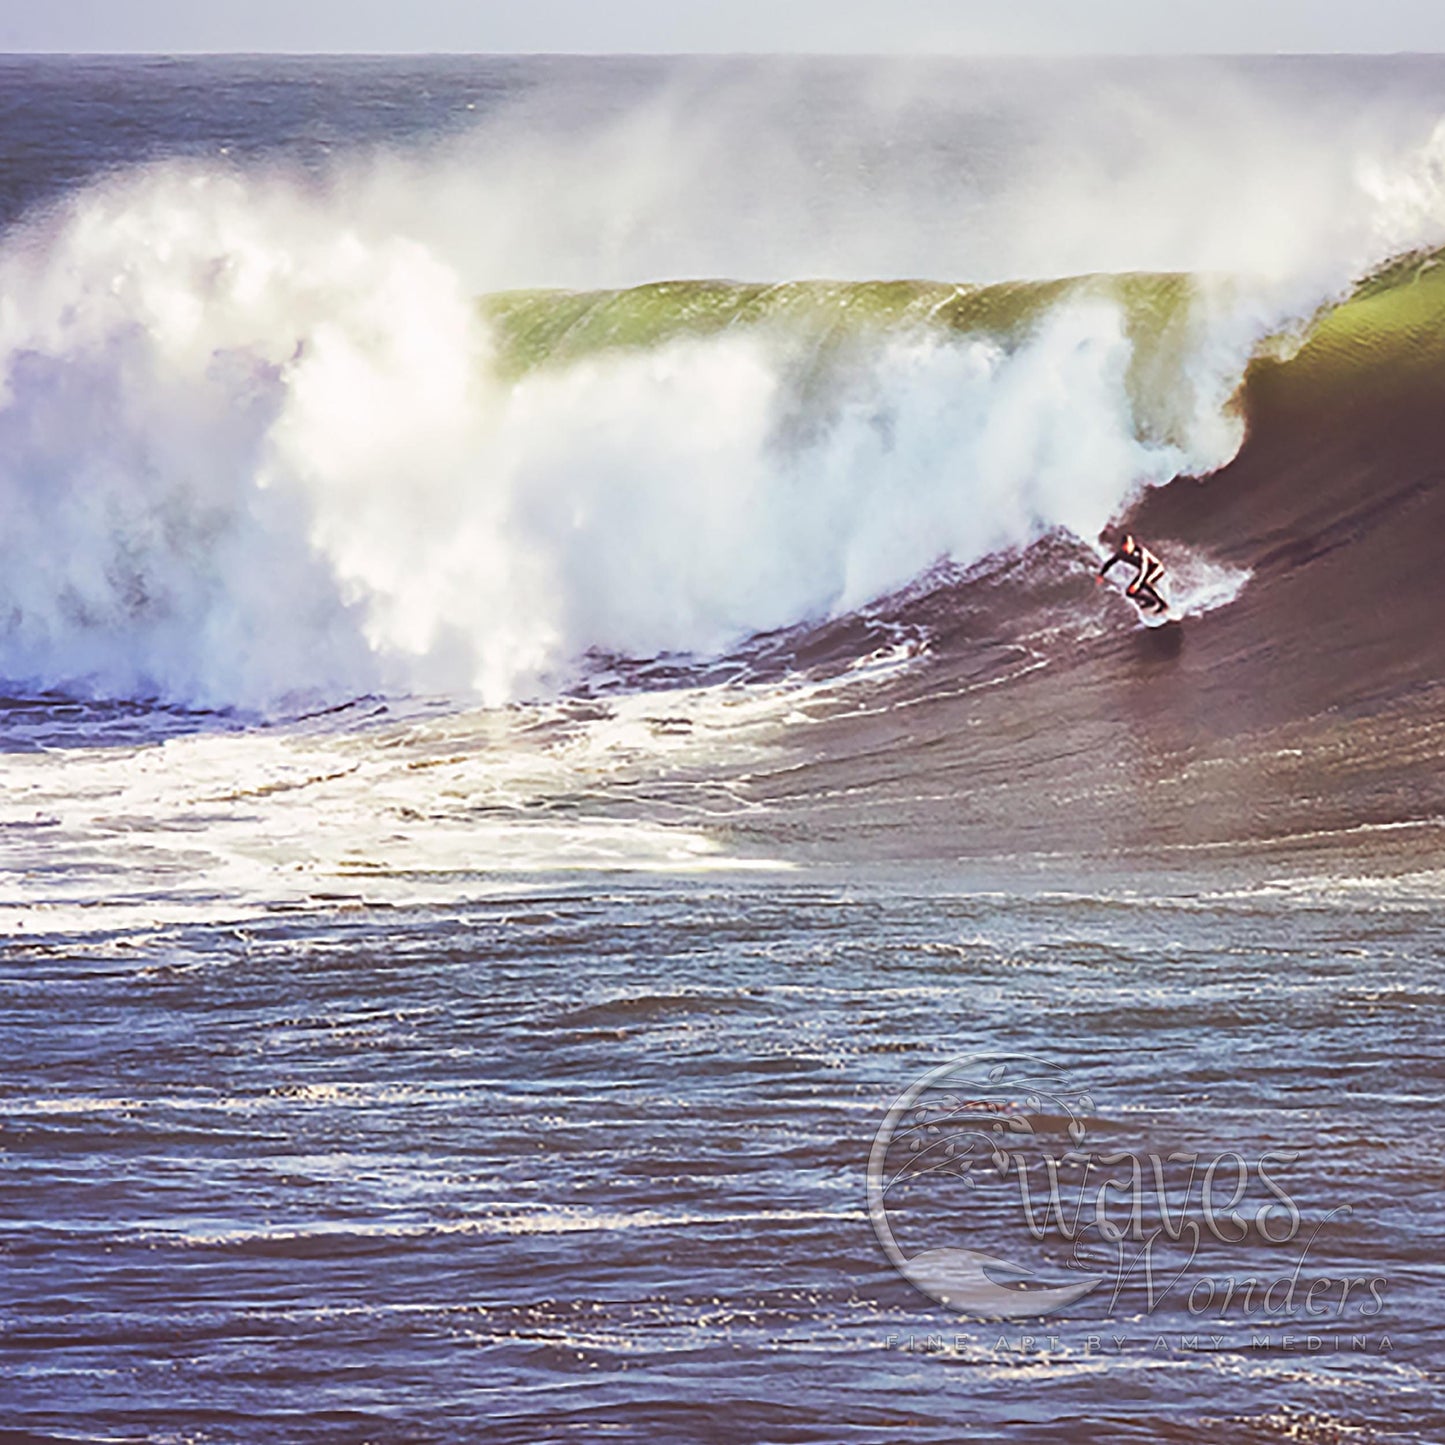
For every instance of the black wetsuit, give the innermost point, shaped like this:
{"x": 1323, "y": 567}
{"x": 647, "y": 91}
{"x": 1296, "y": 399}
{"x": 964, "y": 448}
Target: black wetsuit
{"x": 1151, "y": 569}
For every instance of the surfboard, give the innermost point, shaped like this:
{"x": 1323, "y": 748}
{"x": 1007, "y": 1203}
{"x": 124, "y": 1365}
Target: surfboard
{"x": 1153, "y": 617}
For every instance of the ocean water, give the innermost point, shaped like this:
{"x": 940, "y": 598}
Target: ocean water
{"x": 582, "y": 859}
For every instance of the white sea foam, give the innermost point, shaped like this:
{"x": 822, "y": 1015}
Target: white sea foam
{"x": 415, "y": 809}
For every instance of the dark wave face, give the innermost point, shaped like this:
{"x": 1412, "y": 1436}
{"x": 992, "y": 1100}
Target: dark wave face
{"x": 579, "y": 845}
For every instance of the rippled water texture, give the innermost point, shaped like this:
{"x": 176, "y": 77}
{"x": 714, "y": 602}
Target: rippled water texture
{"x": 574, "y": 1163}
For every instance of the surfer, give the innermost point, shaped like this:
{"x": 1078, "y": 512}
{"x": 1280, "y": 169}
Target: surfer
{"x": 1150, "y": 569}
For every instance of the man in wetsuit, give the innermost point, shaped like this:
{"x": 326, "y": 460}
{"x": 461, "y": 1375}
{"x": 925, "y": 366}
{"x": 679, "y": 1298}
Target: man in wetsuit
{"x": 1150, "y": 570}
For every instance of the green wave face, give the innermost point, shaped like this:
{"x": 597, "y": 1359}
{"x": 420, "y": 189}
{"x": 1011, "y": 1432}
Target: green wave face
{"x": 555, "y": 327}
{"x": 1392, "y": 320}
{"x": 824, "y": 325}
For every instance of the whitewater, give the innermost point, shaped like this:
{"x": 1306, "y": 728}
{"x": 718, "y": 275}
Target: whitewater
{"x": 550, "y": 671}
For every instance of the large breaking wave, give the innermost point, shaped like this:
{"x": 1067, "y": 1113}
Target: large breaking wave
{"x": 259, "y": 448}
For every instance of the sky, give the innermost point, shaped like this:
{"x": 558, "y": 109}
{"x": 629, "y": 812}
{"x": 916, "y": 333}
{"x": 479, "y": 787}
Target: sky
{"x": 920, "y": 27}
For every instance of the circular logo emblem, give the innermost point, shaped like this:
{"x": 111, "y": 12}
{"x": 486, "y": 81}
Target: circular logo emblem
{"x": 961, "y": 1148}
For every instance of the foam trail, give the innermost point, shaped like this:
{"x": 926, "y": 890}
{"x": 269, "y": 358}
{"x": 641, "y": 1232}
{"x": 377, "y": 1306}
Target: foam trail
{"x": 1199, "y": 585}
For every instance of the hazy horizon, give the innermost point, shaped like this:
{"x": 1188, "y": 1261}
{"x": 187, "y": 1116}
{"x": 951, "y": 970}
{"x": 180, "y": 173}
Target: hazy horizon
{"x": 651, "y": 27}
